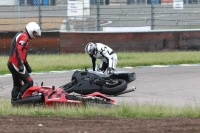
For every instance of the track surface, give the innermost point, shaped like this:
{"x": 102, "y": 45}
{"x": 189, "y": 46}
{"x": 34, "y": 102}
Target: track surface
{"x": 167, "y": 85}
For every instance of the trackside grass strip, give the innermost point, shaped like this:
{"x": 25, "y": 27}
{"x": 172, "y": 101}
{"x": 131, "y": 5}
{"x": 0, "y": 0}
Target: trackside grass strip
{"x": 125, "y": 110}
{"x": 58, "y": 62}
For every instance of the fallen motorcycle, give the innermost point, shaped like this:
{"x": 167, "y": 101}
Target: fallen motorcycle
{"x": 51, "y": 95}
{"x": 86, "y": 82}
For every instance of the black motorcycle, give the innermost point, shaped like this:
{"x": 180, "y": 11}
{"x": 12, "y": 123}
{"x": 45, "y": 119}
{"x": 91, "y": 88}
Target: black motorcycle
{"x": 86, "y": 82}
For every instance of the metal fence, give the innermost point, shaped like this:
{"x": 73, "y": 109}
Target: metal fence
{"x": 100, "y": 15}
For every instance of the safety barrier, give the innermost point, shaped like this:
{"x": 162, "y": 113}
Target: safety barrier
{"x": 74, "y": 42}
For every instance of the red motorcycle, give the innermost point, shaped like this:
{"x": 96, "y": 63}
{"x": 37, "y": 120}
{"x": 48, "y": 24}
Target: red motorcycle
{"x": 51, "y": 95}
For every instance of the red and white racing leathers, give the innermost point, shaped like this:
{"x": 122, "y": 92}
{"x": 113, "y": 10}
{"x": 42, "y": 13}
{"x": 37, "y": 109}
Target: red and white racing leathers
{"x": 19, "y": 45}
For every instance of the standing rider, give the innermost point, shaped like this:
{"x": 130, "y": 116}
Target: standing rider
{"x": 17, "y": 62}
{"x": 107, "y": 56}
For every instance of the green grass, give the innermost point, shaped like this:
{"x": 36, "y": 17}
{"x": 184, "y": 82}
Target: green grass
{"x": 48, "y": 62}
{"x": 135, "y": 110}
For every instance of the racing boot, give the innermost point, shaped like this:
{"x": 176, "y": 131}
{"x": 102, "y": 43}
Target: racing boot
{"x": 19, "y": 96}
{"x": 14, "y": 94}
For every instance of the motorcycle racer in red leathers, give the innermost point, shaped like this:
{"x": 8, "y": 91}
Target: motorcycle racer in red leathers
{"x": 17, "y": 62}
{"x": 107, "y": 56}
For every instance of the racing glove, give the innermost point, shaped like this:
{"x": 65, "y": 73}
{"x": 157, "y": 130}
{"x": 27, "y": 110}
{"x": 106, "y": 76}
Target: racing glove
{"x": 21, "y": 66}
{"x": 28, "y": 68}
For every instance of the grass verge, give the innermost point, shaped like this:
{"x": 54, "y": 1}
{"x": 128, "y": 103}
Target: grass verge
{"x": 58, "y": 62}
{"x": 135, "y": 110}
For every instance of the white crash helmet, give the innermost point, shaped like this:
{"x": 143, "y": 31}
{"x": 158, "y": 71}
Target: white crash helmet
{"x": 33, "y": 27}
{"x": 90, "y": 48}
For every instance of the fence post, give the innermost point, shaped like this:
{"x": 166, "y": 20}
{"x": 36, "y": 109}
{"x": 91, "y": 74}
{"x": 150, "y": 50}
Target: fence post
{"x": 40, "y": 14}
{"x": 18, "y": 7}
{"x": 98, "y": 15}
{"x": 83, "y": 18}
{"x": 152, "y": 15}
{"x": 67, "y": 18}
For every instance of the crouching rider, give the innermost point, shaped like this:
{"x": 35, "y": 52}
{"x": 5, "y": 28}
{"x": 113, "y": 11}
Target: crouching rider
{"x": 107, "y": 56}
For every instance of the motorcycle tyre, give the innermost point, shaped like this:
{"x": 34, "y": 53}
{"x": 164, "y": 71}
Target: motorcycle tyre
{"x": 69, "y": 89}
{"x": 116, "y": 89}
{"x": 29, "y": 100}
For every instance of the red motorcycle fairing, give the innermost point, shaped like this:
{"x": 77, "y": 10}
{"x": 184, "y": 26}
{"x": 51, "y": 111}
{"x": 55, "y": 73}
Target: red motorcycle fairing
{"x": 54, "y": 95}
{"x": 51, "y": 95}
{"x": 101, "y": 95}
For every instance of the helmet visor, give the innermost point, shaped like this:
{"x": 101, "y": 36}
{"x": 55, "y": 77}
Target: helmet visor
{"x": 91, "y": 49}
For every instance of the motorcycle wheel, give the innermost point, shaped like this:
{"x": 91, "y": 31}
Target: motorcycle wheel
{"x": 32, "y": 100}
{"x": 69, "y": 87}
{"x": 114, "y": 86}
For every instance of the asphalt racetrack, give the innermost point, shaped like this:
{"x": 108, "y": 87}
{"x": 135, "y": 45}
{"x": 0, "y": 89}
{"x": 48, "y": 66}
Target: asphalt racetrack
{"x": 177, "y": 85}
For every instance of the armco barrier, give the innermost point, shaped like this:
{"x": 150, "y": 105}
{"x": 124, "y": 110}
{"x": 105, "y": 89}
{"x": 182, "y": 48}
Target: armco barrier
{"x": 48, "y": 43}
{"x": 74, "y": 42}
{"x": 134, "y": 41}
{"x": 5, "y": 40}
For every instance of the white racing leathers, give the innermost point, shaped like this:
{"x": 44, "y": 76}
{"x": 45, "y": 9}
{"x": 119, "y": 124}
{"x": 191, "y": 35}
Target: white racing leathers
{"x": 107, "y": 56}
